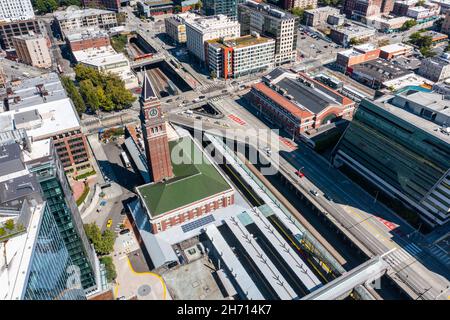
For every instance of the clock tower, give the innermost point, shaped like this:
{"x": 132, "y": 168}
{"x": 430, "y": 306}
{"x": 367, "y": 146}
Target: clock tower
{"x": 155, "y": 135}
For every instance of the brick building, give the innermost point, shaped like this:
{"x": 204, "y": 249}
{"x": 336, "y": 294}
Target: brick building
{"x": 297, "y": 102}
{"x": 86, "y": 39}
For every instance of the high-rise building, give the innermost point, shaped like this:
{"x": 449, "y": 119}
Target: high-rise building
{"x": 402, "y": 146}
{"x": 15, "y": 10}
{"x": 271, "y": 22}
{"x": 225, "y": 7}
{"x": 8, "y": 30}
{"x": 33, "y": 49}
{"x": 35, "y": 263}
{"x": 201, "y": 29}
{"x": 359, "y": 9}
{"x": 233, "y": 58}
{"x": 155, "y": 135}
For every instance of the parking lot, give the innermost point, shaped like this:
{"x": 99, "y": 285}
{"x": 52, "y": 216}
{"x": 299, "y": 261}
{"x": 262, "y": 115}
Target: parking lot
{"x": 311, "y": 46}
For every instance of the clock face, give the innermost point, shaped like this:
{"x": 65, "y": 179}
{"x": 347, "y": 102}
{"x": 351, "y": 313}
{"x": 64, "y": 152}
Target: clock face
{"x": 153, "y": 112}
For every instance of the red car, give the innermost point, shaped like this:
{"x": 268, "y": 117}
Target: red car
{"x": 300, "y": 174}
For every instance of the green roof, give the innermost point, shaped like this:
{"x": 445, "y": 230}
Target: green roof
{"x": 195, "y": 178}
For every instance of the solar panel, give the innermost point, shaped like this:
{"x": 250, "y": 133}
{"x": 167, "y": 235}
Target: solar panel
{"x": 197, "y": 223}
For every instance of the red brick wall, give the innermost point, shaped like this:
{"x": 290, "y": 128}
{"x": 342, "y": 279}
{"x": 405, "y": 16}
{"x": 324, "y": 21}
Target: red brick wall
{"x": 89, "y": 43}
{"x": 190, "y": 215}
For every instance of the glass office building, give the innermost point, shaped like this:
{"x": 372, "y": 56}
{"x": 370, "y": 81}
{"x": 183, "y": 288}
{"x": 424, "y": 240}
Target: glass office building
{"x": 52, "y": 275}
{"x": 226, "y": 7}
{"x": 405, "y": 155}
{"x": 56, "y": 191}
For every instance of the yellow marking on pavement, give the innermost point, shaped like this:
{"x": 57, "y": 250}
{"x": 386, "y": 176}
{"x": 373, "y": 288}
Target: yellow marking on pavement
{"x": 150, "y": 273}
{"x": 376, "y": 231}
{"x": 116, "y": 290}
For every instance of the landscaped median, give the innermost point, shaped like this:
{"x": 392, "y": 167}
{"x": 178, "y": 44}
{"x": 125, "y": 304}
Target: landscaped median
{"x": 83, "y": 196}
{"x": 85, "y": 175}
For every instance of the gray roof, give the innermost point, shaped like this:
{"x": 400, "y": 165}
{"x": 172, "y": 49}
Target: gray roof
{"x": 10, "y": 159}
{"x": 138, "y": 158}
{"x": 306, "y": 96}
{"x": 26, "y": 116}
{"x": 381, "y": 70}
{"x": 18, "y": 188}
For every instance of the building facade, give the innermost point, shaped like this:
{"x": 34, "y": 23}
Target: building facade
{"x": 202, "y": 29}
{"x": 271, "y": 22}
{"x": 8, "y": 30}
{"x": 86, "y": 39}
{"x": 303, "y": 4}
{"x": 435, "y": 68}
{"x": 151, "y": 8}
{"x": 359, "y": 9}
{"x": 33, "y": 49}
{"x": 237, "y": 57}
{"x": 225, "y": 7}
{"x": 316, "y": 17}
{"x": 16, "y": 10}
{"x": 349, "y": 32}
{"x": 401, "y": 154}
{"x": 356, "y": 55}
{"x": 176, "y": 26}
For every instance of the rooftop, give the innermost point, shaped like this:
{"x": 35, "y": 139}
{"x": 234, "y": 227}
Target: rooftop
{"x": 391, "y": 48}
{"x": 381, "y": 70}
{"x": 353, "y": 30}
{"x": 268, "y": 10}
{"x": 434, "y": 34}
{"x": 94, "y": 53}
{"x": 76, "y": 14}
{"x": 192, "y": 171}
{"x": 421, "y": 123}
{"x": 34, "y": 91}
{"x": 89, "y": 33}
{"x": 207, "y": 23}
{"x": 242, "y": 42}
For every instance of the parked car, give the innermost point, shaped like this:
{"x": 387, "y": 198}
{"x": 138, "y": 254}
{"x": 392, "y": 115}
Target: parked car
{"x": 109, "y": 223}
{"x": 299, "y": 174}
{"x": 124, "y": 231}
{"x": 314, "y": 193}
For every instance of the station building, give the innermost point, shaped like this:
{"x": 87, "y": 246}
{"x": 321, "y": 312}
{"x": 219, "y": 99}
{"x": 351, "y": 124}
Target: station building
{"x": 297, "y": 102}
{"x": 185, "y": 184}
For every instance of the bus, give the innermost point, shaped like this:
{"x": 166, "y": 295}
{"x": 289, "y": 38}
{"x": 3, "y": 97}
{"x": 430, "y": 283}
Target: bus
{"x": 125, "y": 159}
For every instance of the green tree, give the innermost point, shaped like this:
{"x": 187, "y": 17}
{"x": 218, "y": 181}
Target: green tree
{"x": 45, "y": 6}
{"x": 9, "y": 224}
{"x": 177, "y": 9}
{"x": 198, "y": 5}
{"x": 427, "y": 52}
{"x": 103, "y": 242}
{"x": 90, "y": 94}
{"x": 73, "y": 94}
{"x": 408, "y": 25}
{"x": 111, "y": 273}
{"x": 420, "y": 3}
{"x": 299, "y": 12}
{"x": 106, "y": 245}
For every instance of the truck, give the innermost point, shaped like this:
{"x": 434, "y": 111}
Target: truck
{"x": 125, "y": 159}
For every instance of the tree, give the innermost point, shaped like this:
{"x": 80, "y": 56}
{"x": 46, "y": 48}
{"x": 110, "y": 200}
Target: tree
{"x": 90, "y": 94}
{"x": 177, "y": 9}
{"x": 110, "y": 268}
{"x": 45, "y": 6}
{"x": 383, "y": 42}
{"x": 73, "y": 94}
{"x": 9, "y": 224}
{"x": 420, "y": 3}
{"x": 198, "y": 5}
{"x": 103, "y": 242}
{"x": 299, "y": 12}
{"x": 427, "y": 52}
{"x": 408, "y": 25}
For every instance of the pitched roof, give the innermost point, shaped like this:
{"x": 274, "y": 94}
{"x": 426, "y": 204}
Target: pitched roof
{"x": 147, "y": 89}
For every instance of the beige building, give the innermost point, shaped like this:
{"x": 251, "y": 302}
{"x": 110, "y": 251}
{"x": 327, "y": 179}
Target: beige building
{"x": 176, "y": 26}
{"x": 33, "y": 49}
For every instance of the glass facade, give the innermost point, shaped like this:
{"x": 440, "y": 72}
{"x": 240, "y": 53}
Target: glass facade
{"x": 226, "y": 7}
{"x": 52, "y": 275}
{"x": 60, "y": 201}
{"x": 404, "y": 157}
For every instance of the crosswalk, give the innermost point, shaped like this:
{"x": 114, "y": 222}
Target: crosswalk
{"x": 441, "y": 254}
{"x": 211, "y": 87}
{"x": 400, "y": 258}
